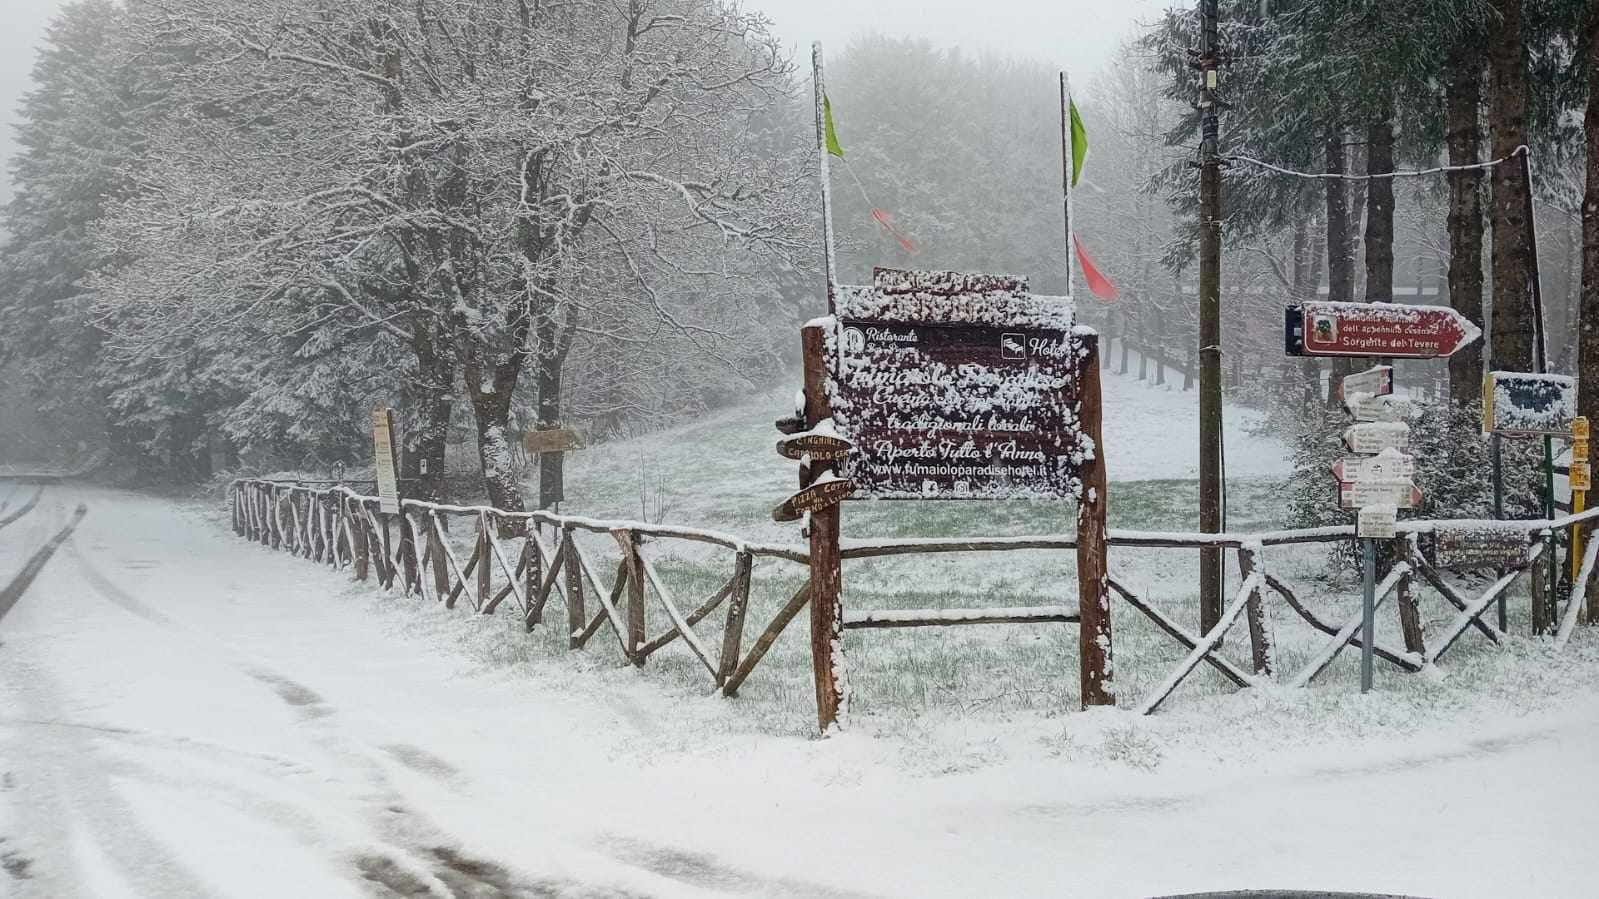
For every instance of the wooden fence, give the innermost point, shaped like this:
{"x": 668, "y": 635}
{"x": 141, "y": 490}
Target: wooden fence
{"x": 526, "y": 558}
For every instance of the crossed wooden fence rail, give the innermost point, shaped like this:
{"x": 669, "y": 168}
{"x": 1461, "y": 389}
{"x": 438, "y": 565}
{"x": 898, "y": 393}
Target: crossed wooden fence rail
{"x": 338, "y": 527}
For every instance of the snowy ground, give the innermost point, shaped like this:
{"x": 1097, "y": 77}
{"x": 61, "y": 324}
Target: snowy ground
{"x": 185, "y": 713}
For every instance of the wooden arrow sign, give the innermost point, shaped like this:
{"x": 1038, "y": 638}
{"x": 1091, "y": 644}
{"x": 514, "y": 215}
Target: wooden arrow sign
{"x": 1387, "y": 465}
{"x": 1375, "y": 381}
{"x": 790, "y": 424}
{"x": 1376, "y": 436}
{"x": 1359, "y": 494}
{"x": 1376, "y": 329}
{"x": 821, "y": 495}
{"x": 821, "y": 446}
{"x": 1365, "y": 407}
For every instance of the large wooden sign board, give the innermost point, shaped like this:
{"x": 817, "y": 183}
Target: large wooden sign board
{"x": 1483, "y": 545}
{"x": 957, "y": 386}
{"x": 383, "y": 455}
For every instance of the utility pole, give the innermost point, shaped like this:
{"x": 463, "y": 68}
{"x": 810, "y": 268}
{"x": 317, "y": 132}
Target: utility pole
{"x": 1210, "y": 480}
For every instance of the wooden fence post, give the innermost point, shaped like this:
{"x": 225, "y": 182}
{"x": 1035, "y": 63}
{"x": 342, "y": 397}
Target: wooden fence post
{"x": 1409, "y": 613}
{"x": 737, "y": 606}
{"x": 532, "y": 573}
{"x": 485, "y": 561}
{"x": 827, "y": 607}
{"x": 1095, "y": 683}
{"x": 1255, "y": 611}
{"x": 441, "y": 567}
{"x": 635, "y": 594}
{"x": 358, "y": 537}
{"x": 575, "y": 621}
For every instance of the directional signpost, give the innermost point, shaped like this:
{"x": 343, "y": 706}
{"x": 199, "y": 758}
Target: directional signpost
{"x": 1376, "y": 484}
{"x": 1391, "y": 330}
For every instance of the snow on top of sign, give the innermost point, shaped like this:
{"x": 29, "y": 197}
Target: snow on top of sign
{"x": 1533, "y": 403}
{"x": 989, "y": 308}
{"x": 898, "y": 281}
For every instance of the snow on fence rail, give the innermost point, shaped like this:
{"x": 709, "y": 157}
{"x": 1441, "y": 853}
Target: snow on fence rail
{"x": 335, "y": 525}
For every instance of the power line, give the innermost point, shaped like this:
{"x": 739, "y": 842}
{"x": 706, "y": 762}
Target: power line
{"x": 1328, "y": 176}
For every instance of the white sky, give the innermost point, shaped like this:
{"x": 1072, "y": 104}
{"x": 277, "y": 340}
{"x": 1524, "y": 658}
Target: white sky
{"x": 1078, "y": 35}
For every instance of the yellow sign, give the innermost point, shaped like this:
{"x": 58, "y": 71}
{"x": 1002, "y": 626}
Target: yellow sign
{"x": 1579, "y": 450}
{"x": 1579, "y": 428}
{"x": 1581, "y": 476}
{"x": 383, "y": 451}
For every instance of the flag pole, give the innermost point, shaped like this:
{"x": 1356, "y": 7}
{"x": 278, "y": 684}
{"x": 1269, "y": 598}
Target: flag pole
{"x": 1066, "y": 165}
{"x": 827, "y": 190}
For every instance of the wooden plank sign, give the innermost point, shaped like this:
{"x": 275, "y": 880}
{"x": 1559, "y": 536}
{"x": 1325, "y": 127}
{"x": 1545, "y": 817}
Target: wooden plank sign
{"x": 1376, "y": 436}
{"x": 1390, "y": 464}
{"x": 1375, "y": 381}
{"x": 957, "y": 386}
{"x": 384, "y": 459}
{"x": 1366, "y": 407}
{"x": 1376, "y": 329}
{"x": 1377, "y": 522}
{"x": 1483, "y": 545}
{"x": 1526, "y": 404}
{"x": 551, "y": 440}
{"x": 1360, "y": 494}
{"x": 1579, "y": 428}
{"x": 825, "y": 493}
{"x": 821, "y": 445}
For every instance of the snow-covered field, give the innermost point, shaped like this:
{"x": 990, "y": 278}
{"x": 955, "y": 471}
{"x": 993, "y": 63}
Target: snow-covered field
{"x": 184, "y": 713}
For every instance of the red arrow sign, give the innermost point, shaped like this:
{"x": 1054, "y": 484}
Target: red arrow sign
{"x": 1381, "y": 329}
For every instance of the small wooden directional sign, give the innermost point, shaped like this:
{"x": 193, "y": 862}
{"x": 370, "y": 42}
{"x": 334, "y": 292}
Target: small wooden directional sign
{"x": 823, "y": 494}
{"x": 1398, "y": 492}
{"x": 1366, "y": 407}
{"x": 790, "y": 424}
{"x": 1376, "y": 436}
{"x": 819, "y": 445}
{"x": 1376, "y": 522}
{"x": 1375, "y": 381}
{"x": 1375, "y": 329}
{"x": 551, "y": 440}
{"x": 1386, "y": 465}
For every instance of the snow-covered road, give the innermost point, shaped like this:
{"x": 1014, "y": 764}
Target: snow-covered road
{"x": 183, "y": 713}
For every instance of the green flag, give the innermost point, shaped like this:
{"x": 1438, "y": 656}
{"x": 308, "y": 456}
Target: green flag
{"x": 1079, "y": 142}
{"x": 827, "y": 124}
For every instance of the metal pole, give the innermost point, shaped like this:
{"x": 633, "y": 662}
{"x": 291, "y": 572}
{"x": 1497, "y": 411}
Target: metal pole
{"x": 1497, "y": 448}
{"x": 828, "y": 260}
{"x": 1210, "y": 412}
{"x": 1368, "y": 610}
{"x": 1067, "y": 160}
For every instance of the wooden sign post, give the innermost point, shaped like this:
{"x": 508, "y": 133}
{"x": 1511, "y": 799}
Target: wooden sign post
{"x": 385, "y": 461}
{"x": 948, "y": 386}
{"x": 1579, "y": 478}
{"x": 827, "y": 574}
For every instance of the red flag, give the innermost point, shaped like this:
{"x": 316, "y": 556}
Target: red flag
{"x": 1098, "y": 284}
{"x": 887, "y": 221}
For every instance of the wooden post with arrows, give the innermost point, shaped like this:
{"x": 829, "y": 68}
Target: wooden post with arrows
{"x": 826, "y": 564}
{"x": 1093, "y": 596}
